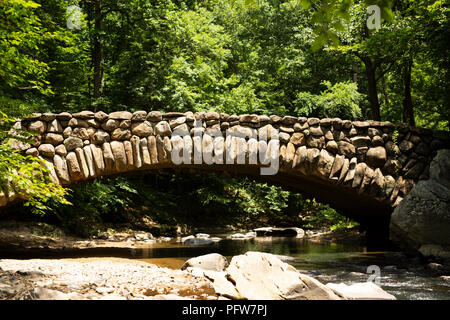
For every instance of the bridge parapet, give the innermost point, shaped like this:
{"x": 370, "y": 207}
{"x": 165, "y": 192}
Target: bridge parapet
{"x": 374, "y": 160}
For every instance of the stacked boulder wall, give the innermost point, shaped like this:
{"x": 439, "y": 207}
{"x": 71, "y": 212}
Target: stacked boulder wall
{"x": 423, "y": 217}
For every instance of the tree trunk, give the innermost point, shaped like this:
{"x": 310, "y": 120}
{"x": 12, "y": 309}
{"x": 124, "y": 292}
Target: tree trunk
{"x": 372, "y": 85}
{"x": 408, "y": 111}
{"x": 98, "y": 51}
{"x": 386, "y": 97}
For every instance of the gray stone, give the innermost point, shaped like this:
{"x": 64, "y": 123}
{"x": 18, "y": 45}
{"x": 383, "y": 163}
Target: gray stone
{"x": 273, "y": 119}
{"x": 360, "y": 170}
{"x": 61, "y": 150}
{"x": 78, "y": 123}
{"x": 100, "y": 116}
{"x": 298, "y": 139}
{"x": 139, "y": 116}
{"x": 212, "y": 261}
{"x": 120, "y": 160}
{"x": 332, "y": 146}
{"x": 120, "y": 115}
{"x": 125, "y": 124}
{"x": 53, "y": 138}
{"x": 313, "y": 121}
{"x": 47, "y": 150}
{"x": 434, "y": 251}
{"x": 315, "y": 142}
{"x": 263, "y": 276}
{"x": 284, "y": 137}
{"x": 72, "y": 143}
{"x": 73, "y": 166}
{"x": 54, "y": 126}
{"x": 376, "y": 157}
{"x": 32, "y": 152}
{"x": 80, "y": 133}
{"x": 162, "y": 128}
{"x": 346, "y": 149}
{"x": 361, "y": 141}
{"x": 422, "y": 217}
{"x": 110, "y": 125}
{"x": 121, "y": 134}
{"x": 406, "y": 146}
{"x": 360, "y": 291}
{"x": 37, "y": 127}
{"x": 67, "y": 132}
{"x": 154, "y": 116}
{"x": 142, "y": 129}
{"x": 84, "y": 115}
{"x": 324, "y": 164}
{"x": 64, "y": 116}
{"x": 109, "y": 157}
{"x": 100, "y": 137}
{"x": 337, "y": 165}
{"x": 61, "y": 170}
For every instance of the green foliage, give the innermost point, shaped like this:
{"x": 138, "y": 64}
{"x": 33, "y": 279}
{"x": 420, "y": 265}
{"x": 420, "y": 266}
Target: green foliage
{"x": 20, "y": 38}
{"x": 319, "y": 216}
{"x": 341, "y": 100}
{"x": 25, "y": 176}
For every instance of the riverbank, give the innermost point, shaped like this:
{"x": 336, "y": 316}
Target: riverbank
{"x": 21, "y": 236}
{"x": 98, "y": 279}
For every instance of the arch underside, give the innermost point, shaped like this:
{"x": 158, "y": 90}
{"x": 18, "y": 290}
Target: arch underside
{"x": 350, "y": 202}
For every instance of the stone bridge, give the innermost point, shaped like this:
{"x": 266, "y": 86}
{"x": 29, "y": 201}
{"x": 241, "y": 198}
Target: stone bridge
{"x": 363, "y": 168}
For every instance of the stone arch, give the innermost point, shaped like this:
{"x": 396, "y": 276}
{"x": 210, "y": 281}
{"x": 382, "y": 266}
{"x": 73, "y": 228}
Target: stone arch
{"x": 364, "y": 168}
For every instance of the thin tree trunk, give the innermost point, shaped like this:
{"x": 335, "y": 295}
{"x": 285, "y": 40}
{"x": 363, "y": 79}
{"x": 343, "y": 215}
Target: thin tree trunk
{"x": 408, "y": 111}
{"x": 373, "y": 93}
{"x": 355, "y": 72}
{"x": 98, "y": 51}
{"x": 383, "y": 84}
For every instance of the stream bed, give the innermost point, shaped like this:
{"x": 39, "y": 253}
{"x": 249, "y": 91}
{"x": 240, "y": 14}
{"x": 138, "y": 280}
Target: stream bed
{"x": 402, "y": 276}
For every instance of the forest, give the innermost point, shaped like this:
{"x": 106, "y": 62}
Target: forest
{"x": 318, "y": 58}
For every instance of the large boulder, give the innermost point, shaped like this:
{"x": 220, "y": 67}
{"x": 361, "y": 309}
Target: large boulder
{"x": 360, "y": 291}
{"x": 212, "y": 261}
{"x": 423, "y": 217}
{"x": 263, "y": 276}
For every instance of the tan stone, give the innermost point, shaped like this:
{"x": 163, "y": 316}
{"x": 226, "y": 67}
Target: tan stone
{"x": 344, "y": 170}
{"x": 61, "y": 170}
{"x": 337, "y": 165}
{"x": 359, "y": 175}
{"x": 252, "y": 147}
{"x": 298, "y": 139}
{"x": 82, "y": 162}
{"x": 290, "y": 154}
{"x": 129, "y": 153}
{"x": 73, "y": 166}
{"x": 97, "y": 155}
{"x": 120, "y": 159}
{"x": 145, "y": 154}
{"x": 109, "y": 157}
{"x": 54, "y": 126}
{"x": 142, "y": 129}
{"x": 152, "y": 149}
{"x": 137, "y": 160}
{"x": 90, "y": 161}
{"x": 324, "y": 164}
{"x": 351, "y": 171}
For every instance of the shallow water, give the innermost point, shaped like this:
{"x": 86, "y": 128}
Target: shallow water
{"x": 403, "y": 277}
